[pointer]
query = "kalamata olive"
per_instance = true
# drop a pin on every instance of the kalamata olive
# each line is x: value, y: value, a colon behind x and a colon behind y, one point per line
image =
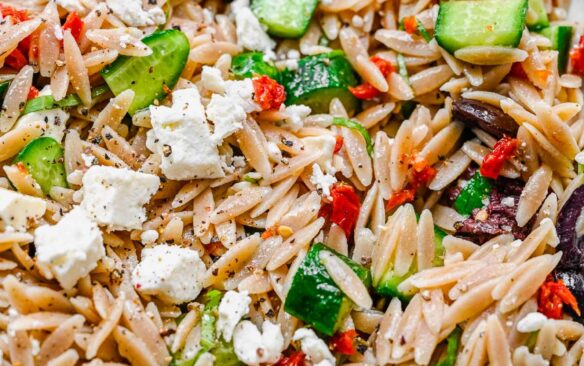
x: 574, y: 281
x: 485, y: 116
x: 568, y: 229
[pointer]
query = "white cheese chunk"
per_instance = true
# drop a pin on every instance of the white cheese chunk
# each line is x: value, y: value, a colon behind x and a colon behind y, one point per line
x: 149, y: 237
x: 71, y: 248
x: 315, y: 349
x: 132, y: 13
x: 242, y: 92
x: 181, y: 136
x: 115, y: 197
x: 253, y: 348
x: 326, y: 145
x: 227, y: 116
x: 294, y: 117
x: 233, y: 306
x: 18, y: 210
x: 55, y: 119
x: 531, y: 322
x: 172, y: 273
x: 250, y: 32
x: 212, y: 80
x: 323, y: 182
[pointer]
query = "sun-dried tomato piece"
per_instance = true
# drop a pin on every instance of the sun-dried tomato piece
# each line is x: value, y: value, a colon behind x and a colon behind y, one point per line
x: 268, y: 93
x: 552, y: 297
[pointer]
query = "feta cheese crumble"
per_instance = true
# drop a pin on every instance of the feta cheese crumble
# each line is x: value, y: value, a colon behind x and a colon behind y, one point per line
x: 212, y: 80
x: 18, y: 210
x: 326, y: 145
x: 149, y: 237
x: 169, y: 272
x: 250, y: 32
x: 242, y: 92
x: 253, y: 347
x: 227, y: 117
x: 294, y: 117
x: 131, y: 13
x: 233, y: 306
x: 115, y: 197
x: 181, y: 136
x: 531, y: 322
x: 315, y: 349
x: 508, y: 201
x: 71, y: 248
x: 323, y: 182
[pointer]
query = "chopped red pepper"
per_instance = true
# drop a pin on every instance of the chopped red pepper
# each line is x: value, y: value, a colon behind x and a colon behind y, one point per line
x: 344, y: 342
x: 422, y: 173
x: 399, y: 198
x: 295, y: 359
x: 30, y: 46
x: 577, y: 57
x: 74, y: 24
x: 367, y: 91
x: 493, y: 163
x: 518, y: 71
x: 344, y: 208
x: 16, y: 15
x: 338, y: 144
x: 552, y: 297
x: 268, y: 93
x: 271, y: 231
x: 410, y: 24
x: 16, y: 60
x: 32, y: 93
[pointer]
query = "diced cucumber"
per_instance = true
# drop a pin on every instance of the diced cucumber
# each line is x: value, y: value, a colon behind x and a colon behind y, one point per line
x: 285, y: 18
x: 439, y: 250
x: 248, y: 64
x: 480, y: 23
x: 225, y: 354
x: 318, y: 80
x: 473, y: 194
x: 43, y: 159
x: 40, y: 103
x: 3, y: 89
x: 314, y: 298
x: 537, y: 8
x: 561, y: 37
x: 46, y: 102
x: 148, y: 76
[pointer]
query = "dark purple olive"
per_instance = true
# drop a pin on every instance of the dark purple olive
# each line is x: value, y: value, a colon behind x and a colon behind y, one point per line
x: 574, y: 281
x: 571, y: 241
x: 485, y: 116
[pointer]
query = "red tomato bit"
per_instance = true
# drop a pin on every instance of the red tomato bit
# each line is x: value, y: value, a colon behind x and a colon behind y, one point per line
x: 16, y: 15
x: 421, y: 174
x: 518, y: 71
x: 344, y: 208
x: 493, y: 163
x: 552, y: 297
x: 367, y: 91
x: 74, y: 24
x: 16, y: 60
x: 577, y: 57
x: 399, y: 198
x: 410, y: 24
x: 268, y: 93
x: 344, y: 342
x: 32, y: 93
x: 295, y: 359
x: 338, y: 144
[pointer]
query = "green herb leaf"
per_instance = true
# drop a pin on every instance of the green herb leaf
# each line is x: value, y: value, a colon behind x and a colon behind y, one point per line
x: 403, y: 70
x: 453, y: 340
x: 423, y: 31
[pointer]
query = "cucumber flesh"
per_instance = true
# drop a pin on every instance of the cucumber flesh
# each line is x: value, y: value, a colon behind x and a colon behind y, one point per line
x: 249, y: 64
x: 314, y: 298
x: 318, y: 80
x: 473, y: 194
x: 148, y: 76
x: 285, y: 18
x: 561, y: 37
x: 468, y: 23
x: 43, y: 160
x: 540, y: 20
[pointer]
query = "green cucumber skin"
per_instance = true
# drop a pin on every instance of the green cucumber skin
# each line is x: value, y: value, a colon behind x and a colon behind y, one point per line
x: 249, y: 64
x: 318, y: 80
x: 472, y: 194
x: 561, y: 37
x: 46, y: 102
x: 3, y: 89
x: 43, y: 159
x: 313, y: 296
x: 148, y: 75
x: 285, y: 18
x: 542, y: 20
x: 466, y: 23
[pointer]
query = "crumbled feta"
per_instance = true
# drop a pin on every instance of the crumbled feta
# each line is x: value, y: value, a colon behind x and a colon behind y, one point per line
x: 71, y: 248
x: 253, y: 348
x: 508, y: 201
x: 55, y: 119
x: 181, y: 136
x: 172, y: 273
x: 227, y: 117
x: 531, y: 322
x: 294, y: 117
x: 71, y: 6
x: 89, y: 160
x: 242, y: 93
x: 326, y: 145
x: 132, y: 13
x: 250, y: 32
x: 18, y: 210
x: 115, y: 197
x: 323, y: 182
x: 149, y: 237
x: 233, y: 306
x: 315, y: 349
x: 212, y: 80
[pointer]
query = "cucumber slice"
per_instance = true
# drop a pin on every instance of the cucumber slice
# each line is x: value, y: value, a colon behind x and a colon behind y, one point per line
x: 147, y: 76
x: 540, y: 20
x: 318, y: 80
x: 561, y: 37
x: 468, y: 23
x: 314, y: 298
x: 473, y: 194
x: 246, y: 65
x: 285, y: 18
x: 42, y: 103
x: 43, y: 159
